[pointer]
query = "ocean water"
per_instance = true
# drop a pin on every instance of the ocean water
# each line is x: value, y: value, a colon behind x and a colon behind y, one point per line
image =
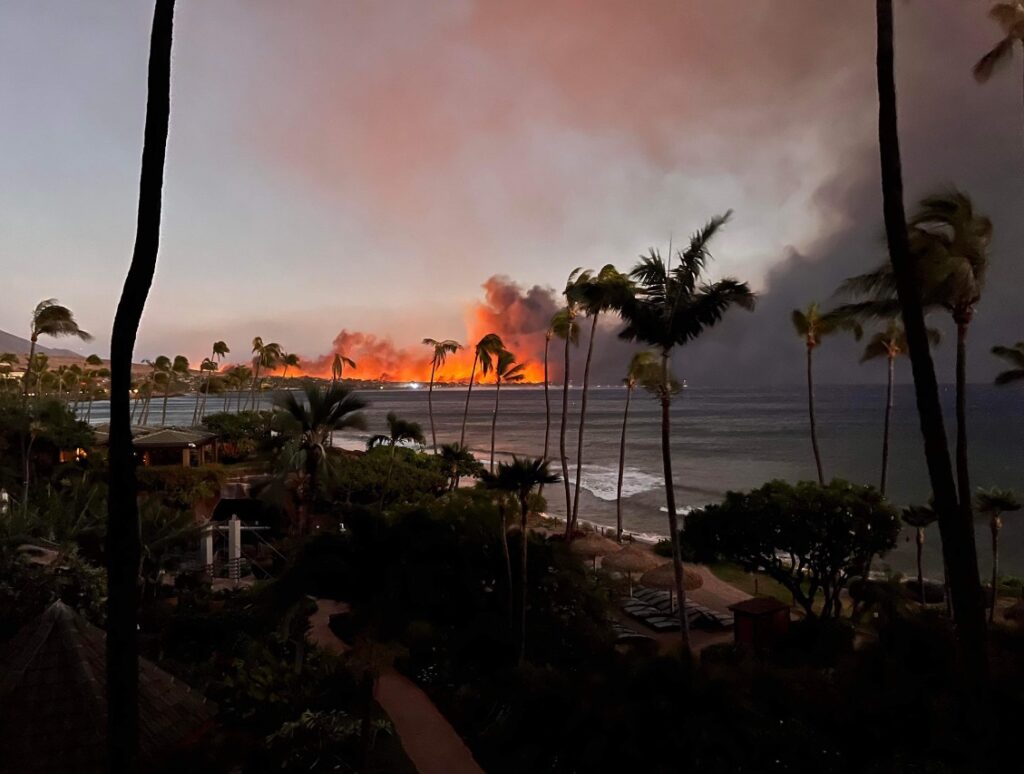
x: 722, y: 439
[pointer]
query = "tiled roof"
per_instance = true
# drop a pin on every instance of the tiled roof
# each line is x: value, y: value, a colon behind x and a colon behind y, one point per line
x: 53, y: 705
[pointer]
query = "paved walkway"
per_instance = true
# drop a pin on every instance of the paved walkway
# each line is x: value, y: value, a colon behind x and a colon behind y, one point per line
x: 427, y: 737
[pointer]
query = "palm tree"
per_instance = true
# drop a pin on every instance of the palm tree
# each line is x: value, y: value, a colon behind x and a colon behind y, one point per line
x: 919, y: 517
x: 608, y: 289
x: 1010, y: 18
x: 289, y: 360
x: 441, y: 350
x: 483, y: 353
x: 338, y: 366
x: 123, y: 543
x: 50, y: 319
x: 547, y: 398
x: 263, y: 356
x: 565, y: 327
x: 520, y: 478
x: 948, y: 242
x: 673, y: 306
x: 399, y: 431
x: 1015, y: 357
x: 994, y: 503
x: 640, y: 367
x: 209, y: 366
x: 240, y: 377
x: 310, y: 423
x: 955, y: 525
x: 890, y: 343
x: 506, y: 369
x: 458, y: 461
x: 812, y: 325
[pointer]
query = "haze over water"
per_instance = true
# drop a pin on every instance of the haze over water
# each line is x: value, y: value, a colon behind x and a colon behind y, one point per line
x: 722, y: 439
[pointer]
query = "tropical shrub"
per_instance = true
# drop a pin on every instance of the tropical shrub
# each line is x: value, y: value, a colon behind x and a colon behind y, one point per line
x: 810, y: 538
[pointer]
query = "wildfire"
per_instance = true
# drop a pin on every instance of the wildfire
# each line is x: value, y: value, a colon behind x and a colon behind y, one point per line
x: 519, y: 317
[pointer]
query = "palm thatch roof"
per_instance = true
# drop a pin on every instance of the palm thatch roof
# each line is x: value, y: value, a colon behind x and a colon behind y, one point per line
x: 593, y: 545
x: 632, y: 558
x: 53, y: 700
x: 664, y: 577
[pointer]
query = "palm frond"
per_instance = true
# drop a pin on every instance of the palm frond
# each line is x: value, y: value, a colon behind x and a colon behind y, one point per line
x: 999, y: 55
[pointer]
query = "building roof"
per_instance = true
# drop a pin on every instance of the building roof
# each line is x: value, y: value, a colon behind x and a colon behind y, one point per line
x: 53, y: 703
x: 159, y: 437
x: 759, y: 606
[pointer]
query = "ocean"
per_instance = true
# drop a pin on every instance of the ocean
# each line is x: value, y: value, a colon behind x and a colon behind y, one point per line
x: 722, y: 439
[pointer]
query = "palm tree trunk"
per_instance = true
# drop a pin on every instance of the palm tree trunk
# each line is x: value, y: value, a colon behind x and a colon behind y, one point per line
x: 920, y: 565
x: 494, y: 417
x: 561, y: 437
x: 123, y: 545
x: 957, y: 532
x: 524, y: 509
x: 622, y: 468
x: 430, y: 405
x: 670, y: 498
x: 810, y: 413
x: 163, y: 413
x: 885, y: 430
x: 29, y: 365
x: 469, y: 391
x: 583, y: 416
x: 252, y: 389
x: 508, y: 567
x: 995, y: 569
x: 963, y: 476
x: 547, y: 405
x: 387, y: 480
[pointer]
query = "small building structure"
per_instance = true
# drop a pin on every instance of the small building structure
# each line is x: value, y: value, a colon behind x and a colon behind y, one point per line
x: 185, y: 446
x: 760, y: 622
x: 53, y: 701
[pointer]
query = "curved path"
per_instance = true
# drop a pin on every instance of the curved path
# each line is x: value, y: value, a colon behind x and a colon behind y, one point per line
x: 427, y: 737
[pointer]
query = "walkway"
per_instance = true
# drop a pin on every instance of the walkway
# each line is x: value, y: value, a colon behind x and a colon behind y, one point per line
x: 427, y: 737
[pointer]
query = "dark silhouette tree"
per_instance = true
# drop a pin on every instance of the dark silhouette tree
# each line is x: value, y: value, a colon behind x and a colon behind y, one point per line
x: 123, y: 543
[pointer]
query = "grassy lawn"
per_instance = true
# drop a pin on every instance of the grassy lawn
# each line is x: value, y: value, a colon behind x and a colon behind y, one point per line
x: 736, y: 576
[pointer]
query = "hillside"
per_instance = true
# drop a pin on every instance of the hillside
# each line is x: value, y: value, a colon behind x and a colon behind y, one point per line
x: 19, y: 346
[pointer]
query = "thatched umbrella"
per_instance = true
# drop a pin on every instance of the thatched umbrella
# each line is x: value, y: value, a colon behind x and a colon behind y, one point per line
x: 594, y: 545
x: 631, y: 559
x: 664, y: 577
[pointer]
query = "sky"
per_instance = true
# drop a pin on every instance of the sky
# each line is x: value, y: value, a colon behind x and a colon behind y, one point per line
x: 365, y: 173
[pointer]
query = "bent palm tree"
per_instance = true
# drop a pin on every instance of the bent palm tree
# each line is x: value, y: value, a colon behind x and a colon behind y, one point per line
x: 640, y: 368
x: 1015, y: 357
x: 1010, y: 18
x: 890, y: 343
x: 310, y: 423
x: 338, y: 366
x: 948, y: 242
x: 399, y: 431
x: 812, y: 325
x: 919, y: 517
x: 123, y: 542
x: 608, y: 289
x: 673, y: 306
x: 506, y: 369
x: 994, y: 503
x: 520, y: 478
x: 483, y: 353
x: 50, y: 319
x: 288, y: 360
x: 458, y: 461
x: 441, y: 350
x: 217, y: 353
x: 264, y: 356
x: 955, y: 525
x: 547, y: 396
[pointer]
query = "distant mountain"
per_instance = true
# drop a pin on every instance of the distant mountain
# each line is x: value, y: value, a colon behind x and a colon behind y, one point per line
x: 19, y: 346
